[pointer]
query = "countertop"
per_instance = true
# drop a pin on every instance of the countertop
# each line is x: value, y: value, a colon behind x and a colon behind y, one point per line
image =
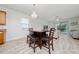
x: 2, y: 30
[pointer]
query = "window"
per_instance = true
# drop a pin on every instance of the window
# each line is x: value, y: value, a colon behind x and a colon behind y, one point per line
x: 25, y: 23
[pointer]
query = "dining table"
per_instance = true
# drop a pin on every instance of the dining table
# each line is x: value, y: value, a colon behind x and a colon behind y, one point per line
x: 39, y: 34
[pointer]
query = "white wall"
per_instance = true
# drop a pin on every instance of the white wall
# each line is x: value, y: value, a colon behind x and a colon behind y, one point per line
x: 75, y: 33
x: 13, y: 24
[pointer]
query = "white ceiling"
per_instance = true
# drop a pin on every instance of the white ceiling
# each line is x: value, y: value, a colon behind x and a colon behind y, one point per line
x: 46, y: 11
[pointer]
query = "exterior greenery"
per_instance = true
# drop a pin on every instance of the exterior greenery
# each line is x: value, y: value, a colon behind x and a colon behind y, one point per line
x: 62, y: 27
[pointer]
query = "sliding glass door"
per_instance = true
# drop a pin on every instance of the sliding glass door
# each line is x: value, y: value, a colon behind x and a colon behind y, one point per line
x: 63, y: 26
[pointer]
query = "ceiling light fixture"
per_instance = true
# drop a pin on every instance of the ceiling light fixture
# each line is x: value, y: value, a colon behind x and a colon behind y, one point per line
x: 34, y: 15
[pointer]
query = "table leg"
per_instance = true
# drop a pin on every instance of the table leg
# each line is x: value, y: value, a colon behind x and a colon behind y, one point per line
x: 40, y: 43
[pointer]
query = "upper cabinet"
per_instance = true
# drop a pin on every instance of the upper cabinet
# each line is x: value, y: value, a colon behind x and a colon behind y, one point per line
x: 2, y: 17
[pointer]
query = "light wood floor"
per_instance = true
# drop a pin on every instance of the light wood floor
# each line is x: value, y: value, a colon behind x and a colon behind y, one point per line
x: 64, y: 45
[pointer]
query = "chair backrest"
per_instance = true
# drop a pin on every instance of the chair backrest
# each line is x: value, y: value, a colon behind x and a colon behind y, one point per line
x: 45, y: 27
x: 51, y: 33
x: 30, y: 31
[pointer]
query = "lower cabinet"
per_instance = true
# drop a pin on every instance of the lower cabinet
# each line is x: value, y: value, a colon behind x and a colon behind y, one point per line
x: 2, y: 37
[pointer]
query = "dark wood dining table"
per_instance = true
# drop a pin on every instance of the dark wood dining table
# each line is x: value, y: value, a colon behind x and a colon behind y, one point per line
x: 39, y: 34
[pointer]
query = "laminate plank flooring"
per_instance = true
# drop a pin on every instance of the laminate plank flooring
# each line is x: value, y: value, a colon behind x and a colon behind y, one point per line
x: 63, y: 45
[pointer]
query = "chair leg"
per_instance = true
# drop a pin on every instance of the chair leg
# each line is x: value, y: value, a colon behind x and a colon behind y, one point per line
x: 30, y: 43
x: 49, y: 47
x: 49, y: 51
x: 27, y: 39
x: 52, y: 45
x: 34, y: 47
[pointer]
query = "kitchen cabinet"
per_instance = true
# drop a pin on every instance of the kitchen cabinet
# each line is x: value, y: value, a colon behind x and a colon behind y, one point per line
x: 2, y: 17
x: 2, y: 36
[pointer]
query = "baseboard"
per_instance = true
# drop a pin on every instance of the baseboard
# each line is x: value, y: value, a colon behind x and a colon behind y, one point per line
x: 16, y: 38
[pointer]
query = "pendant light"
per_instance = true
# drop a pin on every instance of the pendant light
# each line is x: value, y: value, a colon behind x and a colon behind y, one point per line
x: 34, y: 15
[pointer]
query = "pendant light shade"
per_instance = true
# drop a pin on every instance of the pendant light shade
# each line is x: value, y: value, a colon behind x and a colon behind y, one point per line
x: 34, y: 15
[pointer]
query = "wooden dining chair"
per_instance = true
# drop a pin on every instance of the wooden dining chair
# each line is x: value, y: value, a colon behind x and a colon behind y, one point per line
x: 33, y: 42
x: 30, y: 34
x: 49, y: 39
